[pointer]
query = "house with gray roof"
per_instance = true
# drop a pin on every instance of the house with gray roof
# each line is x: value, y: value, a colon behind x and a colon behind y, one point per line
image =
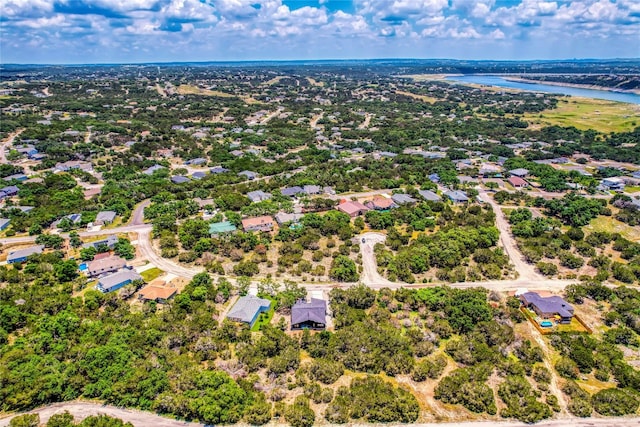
x: 218, y: 169
x: 312, y: 189
x: 4, y: 223
x: 548, y: 307
x: 179, y: 179
x: 309, y: 314
x: 105, y: 217
x: 520, y: 172
x: 152, y: 169
x: 457, y: 196
x: 258, y: 196
x: 247, y: 309
x: 115, y: 281
x: 248, y: 174
x: 291, y: 191
x: 198, y: 175
x: 402, y: 199
x: 196, y: 161
x: 283, y: 217
x: 109, y: 242
x: 21, y: 255
x: 429, y: 195
x: 9, y: 191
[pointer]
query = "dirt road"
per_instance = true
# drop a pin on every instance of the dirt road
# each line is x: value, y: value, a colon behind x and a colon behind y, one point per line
x: 6, y: 143
x: 82, y: 410
x: 370, y: 275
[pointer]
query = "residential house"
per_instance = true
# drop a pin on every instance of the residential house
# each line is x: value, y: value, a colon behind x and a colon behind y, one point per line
x: 159, y: 294
x: 198, y: 175
x: 403, y: 199
x: 457, y: 196
x: 247, y: 309
x: 248, y: 174
x: 614, y: 184
x: 520, y: 172
x: 434, y: 177
x: 4, y: 223
x: 90, y: 192
x: 152, y: 169
x: 258, y: 196
x: 291, y: 191
x: 283, y: 218
x: 196, y: 161
x: 74, y: 164
x: 218, y: 228
x: 381, y: 203
x: 179, y: 179
x: 429, y: 195
x: 105, y: 217
x: 309, y: 314
x: 312, y: 189
x: 19, y: 177
x: 109, y: 242
x: 517, y: 182
x: 353, y: 209
x: 21, y: 255
x: 115, y: 281
x: 218, y: 169
x: 9, y: 191
x: 548, y: 307
x: 261, y: 223
x: 105, y: 265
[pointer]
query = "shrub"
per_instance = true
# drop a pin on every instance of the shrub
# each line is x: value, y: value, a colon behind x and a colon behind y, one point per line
x: 614, y: 402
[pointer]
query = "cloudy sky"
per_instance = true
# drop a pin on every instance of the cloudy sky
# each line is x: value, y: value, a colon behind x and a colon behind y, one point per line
x: 98, y: 31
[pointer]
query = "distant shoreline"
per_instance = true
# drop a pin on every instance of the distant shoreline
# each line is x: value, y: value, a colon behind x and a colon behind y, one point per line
x: 574, y: 85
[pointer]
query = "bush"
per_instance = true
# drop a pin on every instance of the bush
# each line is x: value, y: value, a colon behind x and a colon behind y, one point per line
x: 547, y: 268
x: 326, y: 371
x: 614, y: 402
x: 467, y: 387
x: 299, y: 414
x: 580, y: 407
x: 26, y: 420
x: 567, y: 368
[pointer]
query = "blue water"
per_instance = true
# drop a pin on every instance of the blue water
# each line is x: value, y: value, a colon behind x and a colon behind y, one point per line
x: 83, y: 267
x: 630, y: 98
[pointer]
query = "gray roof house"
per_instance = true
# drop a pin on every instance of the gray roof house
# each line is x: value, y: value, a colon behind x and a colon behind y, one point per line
x: 21, y: 255
x: 247, y: 309
x: 520, y: 172
x: 402, y: 199
x: 283, y: 217
x: 198, y: 175
x: 105, y: 265
x: 248, y: 174
x: 9, y: 191
x: 4, y: 223
x: 152, y: 169
x: 179, y: 179
x: 218, y: 169
x: 105, y: 217
x: 109, y: 242
x: 309, y: 314
x: 115, y: 281
x: 291, y: 191
x: 429, y: 195
x: 258, y: 196
x: 548, y: 307
x: 312, y: 189
x: 196, y: 161
x: 457, y: 196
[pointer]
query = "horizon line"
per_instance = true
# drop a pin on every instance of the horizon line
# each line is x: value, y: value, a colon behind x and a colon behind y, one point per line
x: 274, y: 61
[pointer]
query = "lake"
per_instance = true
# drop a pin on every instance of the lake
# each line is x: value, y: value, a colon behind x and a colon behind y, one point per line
x: 630, y: 98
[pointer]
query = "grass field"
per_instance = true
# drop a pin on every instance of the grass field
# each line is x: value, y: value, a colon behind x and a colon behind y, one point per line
x: 612, y: 225
x: 151, y: 274
x: 586, y: 113
x: 194, y: 90
x: 424, y: 98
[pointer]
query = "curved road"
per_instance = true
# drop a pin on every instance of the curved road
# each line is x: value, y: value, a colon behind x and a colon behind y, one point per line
x: 7, y: 142
x: 82, y: 410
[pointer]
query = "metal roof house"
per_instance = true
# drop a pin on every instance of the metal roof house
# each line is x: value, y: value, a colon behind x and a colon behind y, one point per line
x: 429, y: 195
x: 402, y: 199
x: 457, y: 196
x: 247, y: 309
x: 152, y: 169
x: 283, y: 217
x: 248, y: 174
x: 291, y: 191
x: 218, y: 169
x: 21, y: 255
x: 105, y: 217
x: 109, y: 242
x: 520, y: 172
x: 179, y: 179
x: 309, y: 314
x: 258, y: 196
x: 4, y: 223
x: 115, y: 281
x: 548, y: 307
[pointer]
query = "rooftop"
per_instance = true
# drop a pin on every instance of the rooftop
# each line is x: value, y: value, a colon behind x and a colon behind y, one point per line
x: 246, y: 308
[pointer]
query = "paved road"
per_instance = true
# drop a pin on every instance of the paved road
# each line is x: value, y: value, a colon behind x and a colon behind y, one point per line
x: 82, y: 410
x: 6, y: 143
x: 137, y: 216
x: 145, y: 246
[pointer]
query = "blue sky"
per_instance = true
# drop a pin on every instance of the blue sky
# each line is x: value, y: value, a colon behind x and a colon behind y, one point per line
x: 98, y: 31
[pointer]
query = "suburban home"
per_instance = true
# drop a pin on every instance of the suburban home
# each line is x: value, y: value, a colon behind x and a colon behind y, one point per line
x: 159, y: 294
x: 105, y: 217
x: 429, y: 195
x: 517, y: 182
x: 258, y: 196
x: 152, y: 169
x: 90, y: 192
x: 381, y: 203
x: 434, y: 177
x: 520, y: 172
x: 179, y: 179
x: 109, y: 242
x: 115, y: 281
x: 105, y: 265
x: 19, y: 177
x: 195, y: 162
x: 21, y: 255
x: 457, y: 196
x: 291, y: 191
x: 309, y: 314
x: 614, y: 183
x: 9, y: 191
x: 218, y: 169
x: 312, y: 189
x: 218, y: 228
x: 4, y: 223
x: 248, y: 174
x: 198, y: 175
x: 548, y: 307
x: 283, y: 218
x: 353, y: 209
x: 74, y: 164
x: 261, y: 223
x: 403, y: 199
x: 247, y: 309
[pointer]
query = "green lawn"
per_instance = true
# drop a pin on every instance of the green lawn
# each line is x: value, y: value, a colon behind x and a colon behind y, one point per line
x: 265, y: 317
x: 151, y: 274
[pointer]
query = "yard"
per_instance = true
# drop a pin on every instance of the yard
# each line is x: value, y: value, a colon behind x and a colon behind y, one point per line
x: 264, y: 318
x: 151, y: 274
